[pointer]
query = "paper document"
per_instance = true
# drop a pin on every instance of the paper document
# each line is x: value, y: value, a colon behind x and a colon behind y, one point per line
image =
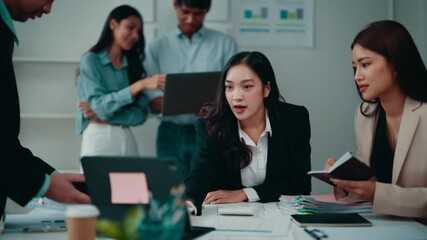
x: 267, y: 219
x: 322, y: 204
x: 243, y: 224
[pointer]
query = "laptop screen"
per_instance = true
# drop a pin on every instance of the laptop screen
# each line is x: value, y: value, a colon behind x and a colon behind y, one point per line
x: 188, y: 92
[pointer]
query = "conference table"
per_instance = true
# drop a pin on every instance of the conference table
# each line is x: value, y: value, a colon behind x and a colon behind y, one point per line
x: 271, y: 222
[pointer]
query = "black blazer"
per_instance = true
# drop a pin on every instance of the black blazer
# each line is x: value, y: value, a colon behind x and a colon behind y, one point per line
x: 288, y: 159
x: 21, y: 173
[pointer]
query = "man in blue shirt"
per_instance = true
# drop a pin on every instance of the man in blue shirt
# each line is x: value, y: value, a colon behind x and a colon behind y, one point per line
x: 23, y: 175
x: 190, y: 47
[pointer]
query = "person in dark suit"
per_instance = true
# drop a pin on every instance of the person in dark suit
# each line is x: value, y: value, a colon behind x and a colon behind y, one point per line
x: 251, y: 145
x: 23, y: 175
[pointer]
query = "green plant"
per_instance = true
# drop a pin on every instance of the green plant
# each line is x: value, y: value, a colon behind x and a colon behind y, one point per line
x: 162, y: 219
x: 126, y: 230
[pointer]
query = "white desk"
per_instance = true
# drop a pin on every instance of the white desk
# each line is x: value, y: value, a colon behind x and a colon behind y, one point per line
x: 384, y: 227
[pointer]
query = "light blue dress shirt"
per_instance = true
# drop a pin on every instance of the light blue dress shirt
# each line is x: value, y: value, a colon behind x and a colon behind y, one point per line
x: 208, y: 50
x: 106, y: 89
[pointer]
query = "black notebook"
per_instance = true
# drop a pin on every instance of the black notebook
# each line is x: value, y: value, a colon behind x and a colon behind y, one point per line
x: 346, y: 167
x: 331, y: 220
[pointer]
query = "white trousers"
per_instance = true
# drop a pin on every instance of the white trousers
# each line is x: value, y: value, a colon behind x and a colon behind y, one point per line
x: 108, y: 140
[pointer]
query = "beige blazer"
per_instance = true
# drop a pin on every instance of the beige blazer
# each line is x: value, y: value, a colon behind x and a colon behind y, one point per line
x: 407, y: 194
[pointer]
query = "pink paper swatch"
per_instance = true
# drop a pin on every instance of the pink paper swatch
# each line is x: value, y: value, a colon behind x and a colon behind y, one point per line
x: 129, y: 188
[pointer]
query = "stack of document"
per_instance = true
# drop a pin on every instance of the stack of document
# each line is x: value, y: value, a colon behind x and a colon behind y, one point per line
x: 322, y: 204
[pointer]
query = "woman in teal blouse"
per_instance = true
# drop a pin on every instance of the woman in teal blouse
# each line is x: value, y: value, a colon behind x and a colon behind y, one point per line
x: 111, y: 84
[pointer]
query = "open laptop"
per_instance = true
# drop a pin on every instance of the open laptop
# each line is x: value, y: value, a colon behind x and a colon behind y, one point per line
x: 188, y: 92
x: 161, y: 175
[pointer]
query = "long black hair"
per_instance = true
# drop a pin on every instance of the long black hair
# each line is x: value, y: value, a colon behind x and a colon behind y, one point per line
x: 135, y: 55
x: 221, y: 122
x: 391, y: 40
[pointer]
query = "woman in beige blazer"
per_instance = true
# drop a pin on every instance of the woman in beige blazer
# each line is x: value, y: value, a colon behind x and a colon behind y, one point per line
x: 391, y: 123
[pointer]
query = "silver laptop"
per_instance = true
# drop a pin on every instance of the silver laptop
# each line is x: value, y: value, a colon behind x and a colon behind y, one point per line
x: 188, y: 92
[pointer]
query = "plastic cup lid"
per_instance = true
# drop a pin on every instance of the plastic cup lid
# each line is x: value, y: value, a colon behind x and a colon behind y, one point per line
x: 81, y: 211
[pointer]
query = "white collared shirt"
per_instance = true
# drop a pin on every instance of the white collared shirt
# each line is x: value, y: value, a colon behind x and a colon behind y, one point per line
x: 254, y: 174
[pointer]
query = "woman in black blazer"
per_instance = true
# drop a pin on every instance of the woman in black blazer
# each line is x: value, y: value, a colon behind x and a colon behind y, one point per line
x: 251, y: 146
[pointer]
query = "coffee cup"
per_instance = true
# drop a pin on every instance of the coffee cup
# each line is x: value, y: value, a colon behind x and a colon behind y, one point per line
x: 81, y: 221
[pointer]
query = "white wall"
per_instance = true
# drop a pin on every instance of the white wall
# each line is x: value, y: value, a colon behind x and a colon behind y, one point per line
x: 413, y: 15
x: 319, y: 78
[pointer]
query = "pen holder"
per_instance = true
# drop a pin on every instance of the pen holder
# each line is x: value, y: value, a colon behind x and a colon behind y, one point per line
x: 153, y: 231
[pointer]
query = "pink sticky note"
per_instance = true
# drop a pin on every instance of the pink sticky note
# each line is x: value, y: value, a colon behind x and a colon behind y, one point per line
x: 128, y: 188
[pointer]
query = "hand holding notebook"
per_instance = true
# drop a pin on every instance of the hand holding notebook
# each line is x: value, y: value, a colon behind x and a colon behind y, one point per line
x: 346, y: 167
